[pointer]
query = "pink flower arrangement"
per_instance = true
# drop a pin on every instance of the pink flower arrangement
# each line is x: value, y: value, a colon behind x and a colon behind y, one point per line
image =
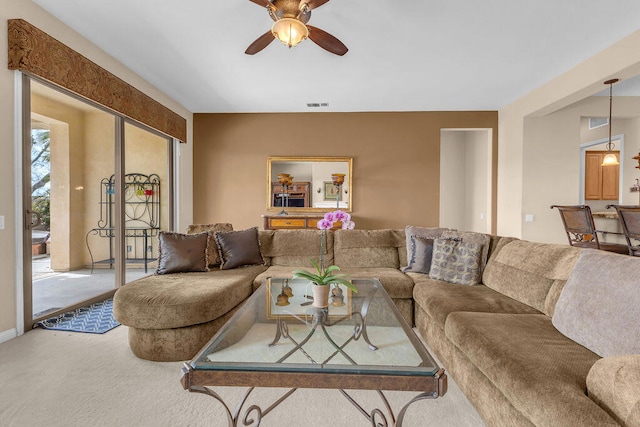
x: 330, y: 218
x: 327, y: 276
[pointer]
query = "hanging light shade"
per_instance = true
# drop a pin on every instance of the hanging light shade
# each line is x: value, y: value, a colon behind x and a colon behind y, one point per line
x: 610, y: 159
x: 289, y: 31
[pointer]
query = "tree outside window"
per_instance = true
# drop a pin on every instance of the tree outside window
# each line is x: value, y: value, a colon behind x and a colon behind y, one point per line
x: 41, y: 176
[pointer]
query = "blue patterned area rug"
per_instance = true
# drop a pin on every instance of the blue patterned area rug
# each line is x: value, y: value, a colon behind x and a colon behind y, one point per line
x: 94, y: 319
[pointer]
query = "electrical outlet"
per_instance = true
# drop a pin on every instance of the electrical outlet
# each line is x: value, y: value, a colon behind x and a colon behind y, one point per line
x: 1, y: 222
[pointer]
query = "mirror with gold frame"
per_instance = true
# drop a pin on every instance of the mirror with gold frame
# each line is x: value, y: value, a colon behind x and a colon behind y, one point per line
x: 310, y: 186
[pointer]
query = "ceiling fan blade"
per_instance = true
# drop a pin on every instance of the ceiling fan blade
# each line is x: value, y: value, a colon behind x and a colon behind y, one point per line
x: 314, y: 4
x: 260, y: 43
x: 326, y: 41
x: 263, y: 3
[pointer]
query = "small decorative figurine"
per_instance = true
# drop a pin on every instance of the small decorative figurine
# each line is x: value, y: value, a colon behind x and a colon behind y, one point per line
x: 282, y: 299
x: 337, y: 296
x: 286, y: 289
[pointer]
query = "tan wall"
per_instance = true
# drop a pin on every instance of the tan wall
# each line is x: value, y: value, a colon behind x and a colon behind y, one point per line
x: 67, y: 158
x: 9, y: 258
x: 395, y: 161
x: 99, y: 164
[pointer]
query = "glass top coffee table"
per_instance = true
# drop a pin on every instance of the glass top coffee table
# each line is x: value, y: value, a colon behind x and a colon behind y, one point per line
x: 278, y: 339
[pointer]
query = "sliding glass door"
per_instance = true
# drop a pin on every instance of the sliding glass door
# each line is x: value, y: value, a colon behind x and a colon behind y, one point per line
x: 97, y: 190
x: 71, y: 145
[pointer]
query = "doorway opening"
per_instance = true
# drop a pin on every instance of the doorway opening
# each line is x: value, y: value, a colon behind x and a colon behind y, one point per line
x: 465, y: 179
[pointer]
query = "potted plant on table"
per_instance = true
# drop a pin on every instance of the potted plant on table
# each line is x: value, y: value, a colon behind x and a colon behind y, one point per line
x: 323, y: 277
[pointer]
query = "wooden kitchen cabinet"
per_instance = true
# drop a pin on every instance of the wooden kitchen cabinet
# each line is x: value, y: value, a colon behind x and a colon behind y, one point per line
x: 600, y: 182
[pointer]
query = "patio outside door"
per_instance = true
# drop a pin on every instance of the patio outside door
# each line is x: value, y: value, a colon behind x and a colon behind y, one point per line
x: 71, y: 148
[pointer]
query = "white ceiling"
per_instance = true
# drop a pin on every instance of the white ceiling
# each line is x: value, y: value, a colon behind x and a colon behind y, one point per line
x: 412, y: 55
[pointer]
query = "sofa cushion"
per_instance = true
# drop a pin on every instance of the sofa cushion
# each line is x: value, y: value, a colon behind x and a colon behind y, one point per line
x: 182, y: 253
x: 368, y: 248
x: 239, y: 248
x: 438, y: 298
x: 178, y: 300
x: 599, y: 306
x: 396, y: 283
x: 213, y: 250
x: 541, y: 372
x: 455, y: 261
x: 295, y: 248
x: 532, y: 273
x: 421, y: 251
x: 614, y: 383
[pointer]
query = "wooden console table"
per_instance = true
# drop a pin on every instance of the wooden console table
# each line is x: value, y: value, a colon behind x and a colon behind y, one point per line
x: 279, y: 222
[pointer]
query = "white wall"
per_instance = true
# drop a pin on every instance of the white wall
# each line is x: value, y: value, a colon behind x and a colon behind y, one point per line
x: 452, y: 179
x: 465, y: 180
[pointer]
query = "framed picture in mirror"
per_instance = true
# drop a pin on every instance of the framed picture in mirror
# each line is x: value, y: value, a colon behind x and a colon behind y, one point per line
x: 331, y: 191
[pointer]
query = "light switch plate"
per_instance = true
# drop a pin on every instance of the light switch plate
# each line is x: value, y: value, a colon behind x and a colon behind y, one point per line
x: 528, y: 218
x: 1, y: 222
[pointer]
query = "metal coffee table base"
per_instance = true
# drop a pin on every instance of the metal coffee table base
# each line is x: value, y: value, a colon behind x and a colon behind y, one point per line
x: 252, y: 415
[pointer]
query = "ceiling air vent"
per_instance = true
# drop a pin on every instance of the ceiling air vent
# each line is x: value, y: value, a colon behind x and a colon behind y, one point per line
x: 596, y: 122
x: 317, y: 104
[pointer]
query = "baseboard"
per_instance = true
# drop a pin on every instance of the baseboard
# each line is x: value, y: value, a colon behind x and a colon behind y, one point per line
x: 8, y: 335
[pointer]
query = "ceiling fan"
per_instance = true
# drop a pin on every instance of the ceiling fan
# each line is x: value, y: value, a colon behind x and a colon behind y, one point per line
x: 290, y: 26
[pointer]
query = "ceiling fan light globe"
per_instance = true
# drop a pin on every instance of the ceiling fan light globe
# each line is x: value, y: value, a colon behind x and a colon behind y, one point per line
x: 289, y: 31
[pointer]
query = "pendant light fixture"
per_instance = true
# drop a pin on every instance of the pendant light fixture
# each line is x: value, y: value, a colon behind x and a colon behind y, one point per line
x: 610, y: 159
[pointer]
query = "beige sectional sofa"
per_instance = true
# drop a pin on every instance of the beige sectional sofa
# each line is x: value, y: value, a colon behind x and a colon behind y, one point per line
x: 501, y: 340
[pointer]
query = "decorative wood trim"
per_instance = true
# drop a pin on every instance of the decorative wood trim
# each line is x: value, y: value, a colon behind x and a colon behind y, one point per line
x: 35, y: 52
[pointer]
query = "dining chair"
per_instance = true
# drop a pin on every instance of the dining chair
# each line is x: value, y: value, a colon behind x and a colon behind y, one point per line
x: 581, y: 229
x: 629, y: 218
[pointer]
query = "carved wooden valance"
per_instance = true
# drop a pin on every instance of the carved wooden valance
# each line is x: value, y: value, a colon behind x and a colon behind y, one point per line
x: 35, y: 52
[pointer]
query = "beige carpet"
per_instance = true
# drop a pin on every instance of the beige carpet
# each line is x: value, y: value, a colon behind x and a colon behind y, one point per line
x: 53, y: 378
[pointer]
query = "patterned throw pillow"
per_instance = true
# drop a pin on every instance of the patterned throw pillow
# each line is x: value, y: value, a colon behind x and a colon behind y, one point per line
x: 421, y: 254
x: 455, y: 261
x: 213, y: 254
x: 472, y: 237
x: 182, y: 253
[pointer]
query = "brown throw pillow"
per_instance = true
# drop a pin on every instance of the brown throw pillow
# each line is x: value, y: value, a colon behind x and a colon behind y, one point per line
x: 213, y: 251
x: 421, y: 254
x: 238, y: 248
x: 456, y: 262
x: 182, y: 253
